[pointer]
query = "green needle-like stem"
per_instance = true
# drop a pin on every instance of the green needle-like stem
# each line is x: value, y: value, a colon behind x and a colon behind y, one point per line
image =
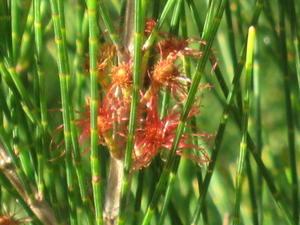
x: 63, y: 67
x: 137, y: 74
x: 174, y: 29
x: 289, y: 112
x: 109, y: 26
x: 97, y: 182
x: 15, y: 30
x: 42, y: 94
x: 243, y: 145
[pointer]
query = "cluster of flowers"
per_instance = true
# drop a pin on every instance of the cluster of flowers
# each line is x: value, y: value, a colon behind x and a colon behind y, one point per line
x: 153, y: 134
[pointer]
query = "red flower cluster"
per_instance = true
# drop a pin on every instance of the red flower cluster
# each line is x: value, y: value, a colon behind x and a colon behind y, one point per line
x: 153, y: 134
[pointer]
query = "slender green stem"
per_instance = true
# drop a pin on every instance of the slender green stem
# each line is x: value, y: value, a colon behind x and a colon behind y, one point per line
x: 289, y: 113
x: 253, y: 195
x: 17, y: 87
x: 109, y: 26
x: 238, y: 15
x: 167, y: 198
x: 5, y: 28
x: 63, y: 79
x: 217, y: 71
x: 4, y: 106
x: 138, y: 196
x: 291, y: 12
x: 216, y: 147
x: 174, y: 29
x: 80, y: 50
x: 122, y: 12
x: 97, y: 182
x: 23, y: 61
x: 137, y: 66
x: 194, y: 13
x: 231, y: 37
x: 175, y: 219
x: 78, y: 63
x: 258, y: 131
x: 42, y: 94
x: 82, y: 179
x: 278, y: 197
x: 246, y: 105
x: 61, y: 12
x: 15, y: 29
x: 151, y: 39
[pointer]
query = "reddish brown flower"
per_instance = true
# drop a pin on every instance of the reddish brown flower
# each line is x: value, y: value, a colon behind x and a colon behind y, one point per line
x: 104, y: 63
x: 165, y: 71
x: 104, y: 121
x: 122, y: 75
x: 149, y: 26
x: 106, y: 53
x: 178, y: 47
x: 158, y: 134
x: 166, y: 74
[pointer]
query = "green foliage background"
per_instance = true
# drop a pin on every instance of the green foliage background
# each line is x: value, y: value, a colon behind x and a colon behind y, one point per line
x: 270, y: 66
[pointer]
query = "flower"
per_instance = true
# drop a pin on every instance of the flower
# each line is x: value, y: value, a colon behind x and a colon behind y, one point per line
x: 153, y: 134
x: 104, y: 121
x: 149, y: 26
x: 122, y: 75
x: 157, y: 134
x: 166, y: 74
x: 178, y: 47
x: 107, y: 51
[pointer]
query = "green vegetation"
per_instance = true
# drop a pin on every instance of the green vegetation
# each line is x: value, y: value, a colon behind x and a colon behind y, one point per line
x: 149, y: 112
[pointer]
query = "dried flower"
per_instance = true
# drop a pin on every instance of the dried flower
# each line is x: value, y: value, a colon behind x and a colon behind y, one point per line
x: 149, y: 26
x: 166, y: 74
x: 152, y: 133
x: 178, y: 47
x: 122, y: 75
x: 158, y: 134
x: 104, y: 121
x: 107, y: 51
x: 165, y: 71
